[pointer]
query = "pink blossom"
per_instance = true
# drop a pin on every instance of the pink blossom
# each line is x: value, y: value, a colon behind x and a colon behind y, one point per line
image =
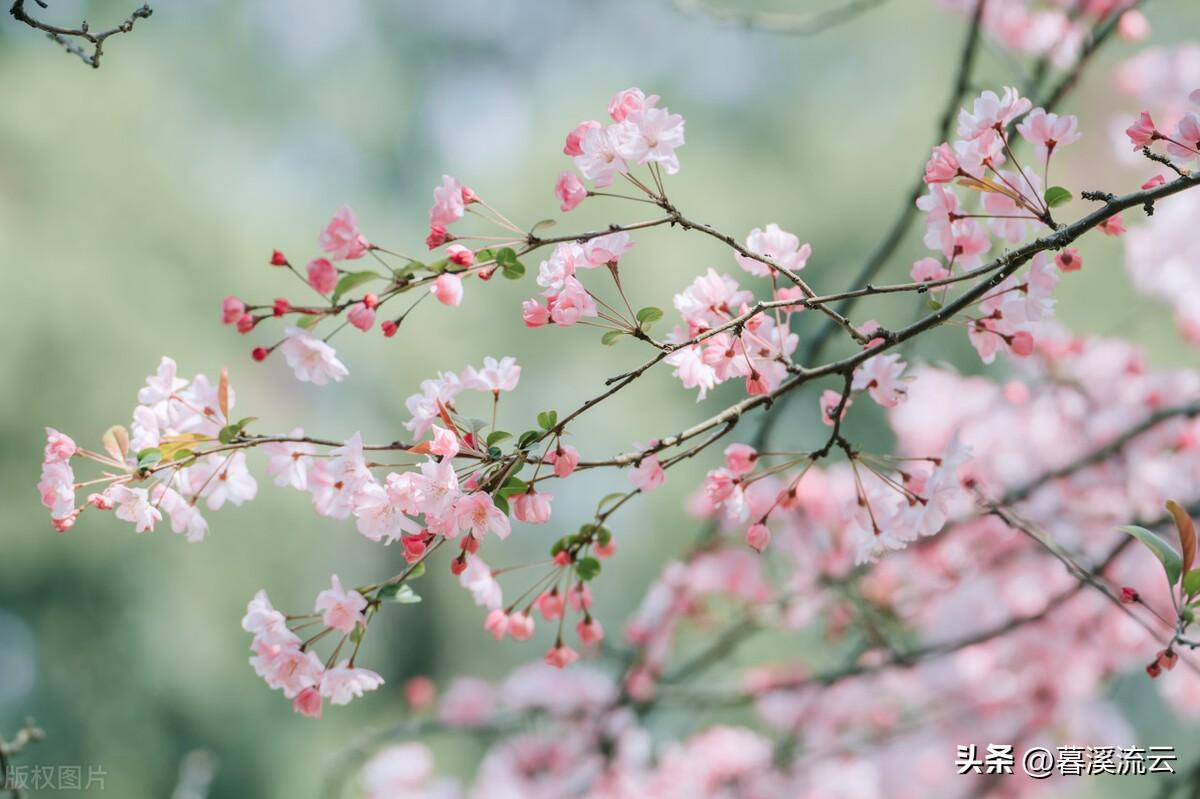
x: 534, y: 314
x: 520, y: 626
x: 880, y: 377
x: 288, y: 462
x: 1187, y: 133
x: 579, y: 597
x: 929, y: 269
x: 571, y: 304
x: 560, y: 656
x: 1154, y: 182
x: 758, y: 536
x: 532, y: 507
x: 445, y: 442
x: 232, y: 309
x: 311, y: 359
x: 133, y: 505
x: 648, y: 475
x: 776, y: 245
x: 550, y: 605
x: 1068, y: 260
x: 341, y: 238
x: 693, y: 370
x: 308, y: 703
x: 991, y: 113
x: 344, y: 682
x: 478, y: 579
x: 341, y: 609
x: 458, y: 254
x: 650, y: 135
x: 1142, y: 133
x: 478, y: 514
x: 740, y: 458
x: 59, y: 448
x: 496, y: 623
x: 598, y: 160
x: 1133, y: 26
x: 57, y: 489
x: 569, y: 190
x: 448, y: 288
x: 1048, y: 131
x: 607, y: 248
x: 495, y: 376
x: 361, y: 316
x: 589, y: 631
x: 467, y: 703
x: 437, y: 237
x: 448, y: 202
x: 942, y: 167
x: 1113, y: 226
x: 572, y: 146
x: 629, y: 101
x: 562, y: 263
x: 564, y: 458
x: 829, y: 402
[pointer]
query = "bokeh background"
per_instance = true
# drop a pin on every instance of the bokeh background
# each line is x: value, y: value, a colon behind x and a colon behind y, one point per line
x: 132, y: 198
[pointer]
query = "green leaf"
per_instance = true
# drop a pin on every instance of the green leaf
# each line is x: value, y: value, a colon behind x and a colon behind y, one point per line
x: 649, y: 315
x: 513, y: 269
x: 513, y: 486
x: 934, y: 305
x: 1191, y: 582
x: 352, y: 280
x: 1056, y: 196
x: 182, y: 454
x: 399, y: 592
x: 560, y: 545
x: 417, y: 571
x: 610, y: 498
x: 148, y: 457
x: 542, y: 225
x: 527, y: 438
x: 231, y: 431
x: 357, y: 634
x: 502, y: 504
x: 497, y: 436
x: 587, y: 568
x: 484, y: 255
x: 547, y: 419
x: 603, y: 536
x: 1166, y: 554
x: 611, y: 337
x: 308, y: 321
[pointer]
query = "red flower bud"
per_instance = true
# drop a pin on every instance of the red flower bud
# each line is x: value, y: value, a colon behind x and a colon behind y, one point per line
x: 1129, y: 596
x: 389, y: 328
x: 260, y: 353
x: 278, y: 259
x: 282, y: 306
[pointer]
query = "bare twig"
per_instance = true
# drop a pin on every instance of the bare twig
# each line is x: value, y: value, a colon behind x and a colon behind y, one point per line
x: 779, y: 22
x: 67, y: 37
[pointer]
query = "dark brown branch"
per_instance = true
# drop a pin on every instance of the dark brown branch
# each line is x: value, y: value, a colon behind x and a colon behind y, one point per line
x: 781, y: 23
x: 69, y: 38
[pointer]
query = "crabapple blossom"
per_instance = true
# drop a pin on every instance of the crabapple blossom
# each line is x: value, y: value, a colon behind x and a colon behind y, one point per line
x: 344, y: 682
x: 569, y: 190
x: 776, y: 245
x: 495, y: 376
x: 449, y: 202
x: 448, y: 288
x: 341, y: 237
x: 311, y: 359
x: 340, y: 609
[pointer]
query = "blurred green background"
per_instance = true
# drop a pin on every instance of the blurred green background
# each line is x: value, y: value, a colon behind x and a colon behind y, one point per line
x: 132, y: 198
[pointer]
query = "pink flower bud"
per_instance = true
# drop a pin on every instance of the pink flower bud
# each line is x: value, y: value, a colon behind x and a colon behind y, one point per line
x: 532, y: 507
x: 1129, y: 596
x: 448, y: 288
x: 370, y: 300
x: 361, y: 316
x: 232, y: 309
x: 458, y: 254
x: 758, y: 536
x: 550, y: 605
x: 561, y: 656
x: 575, y: 137
x: 569, y: 190
x: 496, y: 623
x: 322, y: 275
x: 308, y: 703
x: 458, y: 565
x: 534, y: 313
x: 281, y: 307
x: 389, y: 328
x: 437, y: 237
x: 1022, y: 344
x: 579, y: 597
x: 278, y: 258
x: 520, y: 626
x: 1133, y: 26
x: 420, y: 693
x: 589, y: 630
x: 246, y: 324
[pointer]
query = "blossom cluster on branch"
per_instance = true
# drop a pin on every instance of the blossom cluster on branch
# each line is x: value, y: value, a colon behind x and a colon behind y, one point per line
x: 968, y: 584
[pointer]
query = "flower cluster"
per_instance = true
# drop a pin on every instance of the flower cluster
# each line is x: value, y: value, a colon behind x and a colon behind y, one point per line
x: 1014, y: 204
